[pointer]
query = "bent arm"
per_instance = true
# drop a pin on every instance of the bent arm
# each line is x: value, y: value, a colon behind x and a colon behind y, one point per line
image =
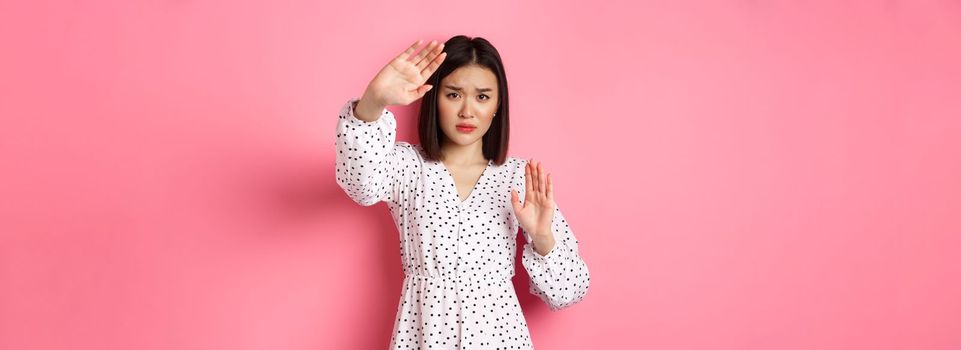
x: 367, y: 156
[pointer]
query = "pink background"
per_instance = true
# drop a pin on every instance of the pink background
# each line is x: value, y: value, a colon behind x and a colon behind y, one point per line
x: 741, y: 174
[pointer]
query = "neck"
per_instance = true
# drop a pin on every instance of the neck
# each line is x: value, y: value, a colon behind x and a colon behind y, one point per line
x: 455, y: 154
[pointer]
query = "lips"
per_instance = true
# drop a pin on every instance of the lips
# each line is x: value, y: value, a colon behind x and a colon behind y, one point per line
x: 465, y: 128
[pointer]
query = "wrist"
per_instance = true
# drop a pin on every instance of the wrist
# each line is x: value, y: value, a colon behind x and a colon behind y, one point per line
x: 368, y: 110
x: 543, y: 244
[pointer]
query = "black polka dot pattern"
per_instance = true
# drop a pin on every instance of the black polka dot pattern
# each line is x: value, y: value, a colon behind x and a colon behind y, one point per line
x: 458, y: 256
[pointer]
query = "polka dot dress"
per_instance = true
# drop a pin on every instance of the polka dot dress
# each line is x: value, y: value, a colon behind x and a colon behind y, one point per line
x: 458, y: 256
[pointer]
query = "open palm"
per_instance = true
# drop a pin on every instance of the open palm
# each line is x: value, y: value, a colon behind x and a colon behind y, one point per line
x: 537, y: 211
x: 402, y: 80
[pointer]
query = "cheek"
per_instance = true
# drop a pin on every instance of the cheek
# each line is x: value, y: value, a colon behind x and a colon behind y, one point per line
x: 488, y: 122
x: 445, y: 115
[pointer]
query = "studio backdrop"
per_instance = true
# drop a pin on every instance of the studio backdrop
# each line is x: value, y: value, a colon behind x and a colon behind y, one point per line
x: 739, y: 174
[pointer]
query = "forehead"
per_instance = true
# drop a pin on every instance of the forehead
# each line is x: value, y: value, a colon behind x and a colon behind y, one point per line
x: 471, y: 77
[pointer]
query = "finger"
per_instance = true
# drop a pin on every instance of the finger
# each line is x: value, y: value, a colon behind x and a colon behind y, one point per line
x: 432, y: 53
x: 410, y: 50
x: 413, y: 88
x: 515, y: 200
x: 550, y: 188
x: 424, y: 52
x: 434, y: 64
x: 429, y: 69
x: 528, y: 183
x: 535, y: 176
x: 541, y: 181
x: 423, y: 89
x: 430, y: 56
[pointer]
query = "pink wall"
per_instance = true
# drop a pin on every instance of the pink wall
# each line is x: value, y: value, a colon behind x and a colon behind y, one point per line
x: 741, y: 174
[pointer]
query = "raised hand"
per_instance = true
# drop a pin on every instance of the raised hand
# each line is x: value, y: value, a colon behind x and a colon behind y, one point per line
x: 536, y: 214
x: 402, y: 80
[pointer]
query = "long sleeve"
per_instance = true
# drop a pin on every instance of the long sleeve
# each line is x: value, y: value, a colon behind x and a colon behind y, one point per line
x: 371, y: 167
x: 561, y: 277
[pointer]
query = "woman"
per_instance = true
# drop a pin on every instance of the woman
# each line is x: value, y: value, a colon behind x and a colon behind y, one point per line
x: 455, y: 200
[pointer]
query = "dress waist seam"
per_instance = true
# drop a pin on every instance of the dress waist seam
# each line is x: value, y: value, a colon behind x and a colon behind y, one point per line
x: 458, y: 278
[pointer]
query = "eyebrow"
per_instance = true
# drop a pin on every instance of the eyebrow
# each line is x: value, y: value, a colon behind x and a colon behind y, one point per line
x: 452, y: 87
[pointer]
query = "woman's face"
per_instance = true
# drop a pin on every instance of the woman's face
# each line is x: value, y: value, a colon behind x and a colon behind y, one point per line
x: 467, y: 96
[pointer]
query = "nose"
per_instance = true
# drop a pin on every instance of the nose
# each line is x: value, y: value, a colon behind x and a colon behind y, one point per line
x: 466, y: 110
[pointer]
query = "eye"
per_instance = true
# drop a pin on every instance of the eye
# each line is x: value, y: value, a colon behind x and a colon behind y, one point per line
x: 485, y: 97
x: 452, y: 93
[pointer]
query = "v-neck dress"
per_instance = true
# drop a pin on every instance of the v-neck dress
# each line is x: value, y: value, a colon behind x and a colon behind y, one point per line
x: 458, y: 256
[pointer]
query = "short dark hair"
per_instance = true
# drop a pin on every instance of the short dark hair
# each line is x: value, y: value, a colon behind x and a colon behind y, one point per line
x: 461, y: 51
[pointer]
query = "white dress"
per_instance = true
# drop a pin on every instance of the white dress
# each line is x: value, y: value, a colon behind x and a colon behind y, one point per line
x: 458, y: 257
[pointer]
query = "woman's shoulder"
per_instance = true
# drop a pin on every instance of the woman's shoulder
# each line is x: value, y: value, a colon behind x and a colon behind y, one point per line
x: 515, y: 165
x: 411, y: 152
x: 515, y: 161
x: 413, y: 148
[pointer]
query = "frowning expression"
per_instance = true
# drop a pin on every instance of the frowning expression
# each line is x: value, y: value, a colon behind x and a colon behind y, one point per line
x: 467, y: 101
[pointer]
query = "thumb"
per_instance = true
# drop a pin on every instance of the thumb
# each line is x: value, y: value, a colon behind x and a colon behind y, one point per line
x: 515, y: 200
x: 423, y: 89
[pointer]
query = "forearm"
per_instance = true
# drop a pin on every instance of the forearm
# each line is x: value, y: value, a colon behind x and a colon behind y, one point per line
x: 368, y: 110
x: 543, y: 243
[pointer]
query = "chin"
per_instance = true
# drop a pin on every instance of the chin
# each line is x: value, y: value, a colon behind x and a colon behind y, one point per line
x: 463, y: 141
